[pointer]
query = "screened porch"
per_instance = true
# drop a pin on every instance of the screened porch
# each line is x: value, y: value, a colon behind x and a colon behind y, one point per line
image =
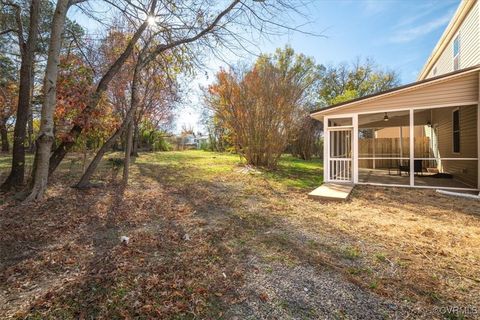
x: 417, y: 147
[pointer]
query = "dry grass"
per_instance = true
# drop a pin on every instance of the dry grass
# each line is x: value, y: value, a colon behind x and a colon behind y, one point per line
x: 62, y: 258
x: 414, y: 244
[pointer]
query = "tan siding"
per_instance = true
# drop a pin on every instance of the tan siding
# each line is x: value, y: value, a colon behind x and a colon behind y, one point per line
x: 468, y: 131
x: 444, y: 63
x: 458, y: 90
x: 462, y: 170
x: 469, y: 33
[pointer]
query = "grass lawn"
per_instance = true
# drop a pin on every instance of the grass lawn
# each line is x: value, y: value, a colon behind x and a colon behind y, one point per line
x: 212, y: 239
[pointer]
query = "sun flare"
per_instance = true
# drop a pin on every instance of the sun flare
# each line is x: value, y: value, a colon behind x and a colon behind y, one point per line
x: 152, y: 20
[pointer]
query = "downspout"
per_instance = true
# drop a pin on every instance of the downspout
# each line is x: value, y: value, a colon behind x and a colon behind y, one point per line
x: 459, y: 194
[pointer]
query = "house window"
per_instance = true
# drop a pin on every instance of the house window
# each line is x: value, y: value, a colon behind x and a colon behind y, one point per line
x: 456, y: 53
x: 456, y: 131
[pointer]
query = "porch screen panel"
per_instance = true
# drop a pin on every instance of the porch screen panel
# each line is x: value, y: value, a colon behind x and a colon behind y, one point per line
x: 446, y: 147
x: 384, y: 147
x: 340, y: 157
x: 339, y: 122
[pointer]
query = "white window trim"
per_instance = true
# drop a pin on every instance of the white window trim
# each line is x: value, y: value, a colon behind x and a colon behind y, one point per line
x: 459, y: 132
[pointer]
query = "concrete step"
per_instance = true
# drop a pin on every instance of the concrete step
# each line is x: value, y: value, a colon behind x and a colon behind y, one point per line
x: 332, y: 191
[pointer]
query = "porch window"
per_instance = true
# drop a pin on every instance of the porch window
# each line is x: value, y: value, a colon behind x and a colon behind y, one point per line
x: 456, y: 131
x: 456, y: 53
x: 384, y: 148
x: 437, y: 158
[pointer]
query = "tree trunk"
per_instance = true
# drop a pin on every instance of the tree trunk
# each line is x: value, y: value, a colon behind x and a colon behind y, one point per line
x: 16, y: 177
x: 128, y: 151
x: 4, y: 134
x: 85, y: 153
x: 85, y: 179
x: 45, y: 136
x: 65, y: 146
x: 31, y: 143
x: 135, y: 139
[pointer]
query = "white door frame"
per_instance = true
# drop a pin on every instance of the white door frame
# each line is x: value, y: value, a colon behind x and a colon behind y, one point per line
x: 326, y: 147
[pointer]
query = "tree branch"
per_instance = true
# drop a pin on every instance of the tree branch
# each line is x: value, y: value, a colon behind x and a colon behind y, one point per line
x: 7, y: 31
x: 18, y: 20
x: 162, y: 47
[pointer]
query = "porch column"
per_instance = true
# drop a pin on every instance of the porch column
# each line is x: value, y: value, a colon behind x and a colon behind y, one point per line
x: 478, y: 136
x: 355, y: 148
x: 412, y: 150
x: 326, y: 151
x: 401, y: 144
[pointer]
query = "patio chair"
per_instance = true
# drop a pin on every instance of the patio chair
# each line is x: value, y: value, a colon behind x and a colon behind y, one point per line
x: 417, y: 168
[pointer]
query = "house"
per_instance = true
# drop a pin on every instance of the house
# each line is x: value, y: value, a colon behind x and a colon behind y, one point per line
x: 459, y: 45
x: 201, y: 140
x: 189, y: 140
x: 424, y: 134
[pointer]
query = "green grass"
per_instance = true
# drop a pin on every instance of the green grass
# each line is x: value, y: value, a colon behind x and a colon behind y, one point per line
x: 6, y: 161
x: 199, y: 165
x: 291, y: 172
x: 381, y: 257
x: 294, y: 172
x: 351, y: 253
x: 209, y: 163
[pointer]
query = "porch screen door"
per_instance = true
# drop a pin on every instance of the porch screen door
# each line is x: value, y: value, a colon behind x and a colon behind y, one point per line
x: 340, y: 157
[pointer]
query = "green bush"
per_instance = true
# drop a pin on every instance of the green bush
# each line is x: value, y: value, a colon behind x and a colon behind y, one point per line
x: 205, y: 145
x: 160, y: 144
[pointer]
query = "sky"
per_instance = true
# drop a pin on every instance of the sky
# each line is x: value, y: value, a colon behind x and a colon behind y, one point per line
x: 398, y: 34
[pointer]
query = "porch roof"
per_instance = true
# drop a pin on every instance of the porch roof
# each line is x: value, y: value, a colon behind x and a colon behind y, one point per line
x: 396, y: 92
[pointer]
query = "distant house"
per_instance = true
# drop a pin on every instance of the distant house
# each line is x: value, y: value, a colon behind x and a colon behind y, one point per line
x: 190, y: 140
x: 424, y: 134
x: 201, y: 139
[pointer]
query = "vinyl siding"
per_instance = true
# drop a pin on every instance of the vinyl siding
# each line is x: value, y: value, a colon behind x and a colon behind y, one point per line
x: 469, y: 33
x: 468, y: 131
x: 459, y: 90
x: 463, y: 170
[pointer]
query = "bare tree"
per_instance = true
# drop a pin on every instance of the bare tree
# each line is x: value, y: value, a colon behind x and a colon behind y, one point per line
x: 64, y: 147
x: 176, y: 24
x: 134, y: 101
x: 185, y: 22
x: 128, y: 152
x: 45, y: 165
x: 305, y: 143
x: 261, y: 106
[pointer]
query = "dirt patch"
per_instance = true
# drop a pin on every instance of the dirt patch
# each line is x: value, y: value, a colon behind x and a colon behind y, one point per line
x: 277, y: 291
